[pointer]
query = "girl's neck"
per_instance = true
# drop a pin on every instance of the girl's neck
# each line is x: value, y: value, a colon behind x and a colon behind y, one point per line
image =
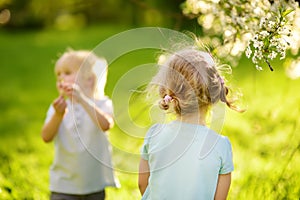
x: 194, y: 118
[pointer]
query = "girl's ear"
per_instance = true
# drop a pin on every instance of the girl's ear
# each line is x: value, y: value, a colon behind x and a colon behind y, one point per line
x: 91, y: 81
x: 88, y: 85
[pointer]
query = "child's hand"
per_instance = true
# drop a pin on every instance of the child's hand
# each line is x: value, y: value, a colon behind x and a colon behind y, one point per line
x: 67, y: 89
x: 73, y: 91
x: 60, y: 105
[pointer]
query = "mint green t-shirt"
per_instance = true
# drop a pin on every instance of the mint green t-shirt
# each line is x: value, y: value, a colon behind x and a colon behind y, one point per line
x: 185, y: 161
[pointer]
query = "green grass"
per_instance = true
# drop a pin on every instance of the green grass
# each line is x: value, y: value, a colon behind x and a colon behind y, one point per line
x: 265, y: 139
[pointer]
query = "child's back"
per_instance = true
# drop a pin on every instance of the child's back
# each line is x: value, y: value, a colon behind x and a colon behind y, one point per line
x: 184, y: 159
x: 183, y: 165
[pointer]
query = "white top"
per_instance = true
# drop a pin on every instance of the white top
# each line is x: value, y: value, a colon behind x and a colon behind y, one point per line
x: 82, y: 162
x: 185, y: 161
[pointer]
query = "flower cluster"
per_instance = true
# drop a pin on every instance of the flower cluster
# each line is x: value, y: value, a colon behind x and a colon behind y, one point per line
x: 271, y: 39
x: 260, y: 28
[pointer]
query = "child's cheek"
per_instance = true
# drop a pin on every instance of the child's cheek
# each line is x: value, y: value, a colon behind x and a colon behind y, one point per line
x: 60, y: 88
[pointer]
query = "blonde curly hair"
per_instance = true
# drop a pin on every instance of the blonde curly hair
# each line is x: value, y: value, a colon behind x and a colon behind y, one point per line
x: 188, y: 81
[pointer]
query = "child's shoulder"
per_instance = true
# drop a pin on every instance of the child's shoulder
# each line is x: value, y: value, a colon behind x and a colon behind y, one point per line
x: 221, y: 139
x: 223, y: 143
x: 103, y: 100
x: 155, y: 127
x: 214, y: 140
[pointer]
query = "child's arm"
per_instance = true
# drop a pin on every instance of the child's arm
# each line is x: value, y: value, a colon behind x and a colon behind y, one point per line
x: 97, y: 115
x: 50, y: 128
x: 223, y: 186
x: 144, y: 174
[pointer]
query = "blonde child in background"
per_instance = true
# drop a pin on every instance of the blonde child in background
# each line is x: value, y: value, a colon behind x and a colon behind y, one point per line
x: 77, y: 121
x: 184, y: 159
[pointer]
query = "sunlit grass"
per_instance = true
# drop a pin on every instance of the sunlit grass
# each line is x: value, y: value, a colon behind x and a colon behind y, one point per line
x: 265, y: 139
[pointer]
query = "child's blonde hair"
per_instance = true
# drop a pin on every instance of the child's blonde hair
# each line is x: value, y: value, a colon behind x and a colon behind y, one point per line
x: 189, y: 80
x: 89, y: 65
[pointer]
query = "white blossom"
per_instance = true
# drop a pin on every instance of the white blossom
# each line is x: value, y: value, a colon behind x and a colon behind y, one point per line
x: 282, y: 55
x: 248, y: 51
x: 272, y: 55
x: 262, y: 22
x: 271, y: 24
x: 257, y: 44
x: 264, y: 33
x: 268, y: 26
x: 259, y: 68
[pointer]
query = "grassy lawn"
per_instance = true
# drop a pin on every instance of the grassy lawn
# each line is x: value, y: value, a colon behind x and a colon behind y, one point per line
x: 265, y: 139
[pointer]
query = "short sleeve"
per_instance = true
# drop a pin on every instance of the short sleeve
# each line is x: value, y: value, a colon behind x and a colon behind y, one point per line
x: 106, y: 105
x: 145, y: 147
x: 50, y: 113
x: 226, y: 157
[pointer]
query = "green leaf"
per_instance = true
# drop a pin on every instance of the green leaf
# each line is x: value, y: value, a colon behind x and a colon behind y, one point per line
x: 286, y: 12
x: 266, y: 42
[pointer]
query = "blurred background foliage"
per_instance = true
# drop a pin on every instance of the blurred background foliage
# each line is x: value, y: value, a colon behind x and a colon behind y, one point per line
x: 265, y: 139
x: 70, y: 14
